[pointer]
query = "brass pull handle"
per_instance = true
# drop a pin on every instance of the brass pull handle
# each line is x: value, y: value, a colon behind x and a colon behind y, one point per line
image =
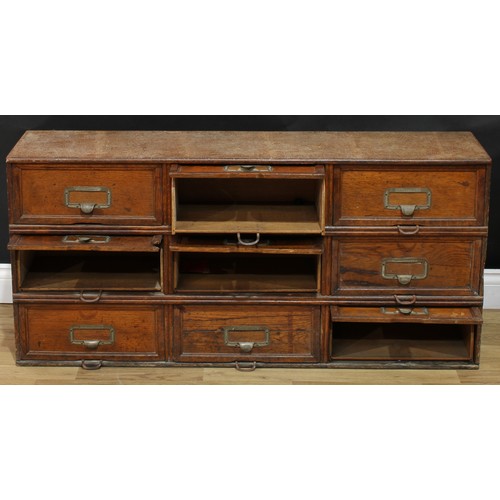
x: 91, y: 344
x: 76, y: 332
x: 248, y: 168
x: 404, y: 278
x: 245, y: 367
x: 408, y: 232
x: 84, y: 239
x: 91, y: 299
x: 407, y: 210
x: 245, y: 346
x: 406, y: 311
x: 91, y: 364
x: 405, y: 300
x: 248, y: 243
x: 87, y: 207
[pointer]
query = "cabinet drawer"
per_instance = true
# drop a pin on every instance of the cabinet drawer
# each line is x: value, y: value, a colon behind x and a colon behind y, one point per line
x: 448, y: 266
x: 92, y: 194
x: 413, y: 195
x: 91, y: 332
x: 238, y: 333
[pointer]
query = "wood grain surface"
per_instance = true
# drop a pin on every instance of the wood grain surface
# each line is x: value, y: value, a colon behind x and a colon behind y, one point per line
x: 286, y: 147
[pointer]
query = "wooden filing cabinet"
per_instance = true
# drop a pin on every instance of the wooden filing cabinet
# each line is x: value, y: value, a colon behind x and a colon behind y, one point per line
x: 248, y: 249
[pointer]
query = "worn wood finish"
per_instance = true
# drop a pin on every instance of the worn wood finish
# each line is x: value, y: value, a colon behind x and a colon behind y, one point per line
x: 437, y: 266
x: 167, y: 243
x: 86, y: 243
x: 293, y: 333
x: 364, y: 196
x: 134, y: 332
x: 133, y: 193
x: 247, y: 147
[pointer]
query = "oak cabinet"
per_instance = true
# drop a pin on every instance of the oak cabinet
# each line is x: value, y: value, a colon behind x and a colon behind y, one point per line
x: 248, y: 249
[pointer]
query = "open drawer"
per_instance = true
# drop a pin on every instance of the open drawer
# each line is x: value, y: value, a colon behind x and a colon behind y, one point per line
x: 404, y: 333
x: 87, y: 262
x: 226, y: 264
x: 248, y: 199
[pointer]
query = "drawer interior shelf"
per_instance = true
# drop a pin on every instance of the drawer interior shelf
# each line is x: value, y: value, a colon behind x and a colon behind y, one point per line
x: 248, y: 205
x: 401, y: 342
x: 70, y: 271
x: 211, y: 272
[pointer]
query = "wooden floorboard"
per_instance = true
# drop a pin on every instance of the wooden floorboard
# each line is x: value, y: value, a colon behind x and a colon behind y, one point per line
x: 488, y: 373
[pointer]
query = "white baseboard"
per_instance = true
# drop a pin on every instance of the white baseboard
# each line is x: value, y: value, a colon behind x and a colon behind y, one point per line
x: 5, y: 284
x: 491, y: 287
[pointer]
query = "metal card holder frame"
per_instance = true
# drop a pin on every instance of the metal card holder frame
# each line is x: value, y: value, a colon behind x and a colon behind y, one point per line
x: 405, y: 279
x: 407, y: 209
x: 245, y: 346
x: 86, y: 189
x: 91, y: 344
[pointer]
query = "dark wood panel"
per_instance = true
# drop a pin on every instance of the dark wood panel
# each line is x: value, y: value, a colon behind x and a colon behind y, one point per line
x: 439, y: 266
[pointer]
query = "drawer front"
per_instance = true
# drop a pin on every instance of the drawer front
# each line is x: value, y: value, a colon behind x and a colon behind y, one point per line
x: 424, y: 196
x: 69, y: 332
x: 248, y: 170
x: 238, y: 333
x: 91, y: 194
x: 436, y: 267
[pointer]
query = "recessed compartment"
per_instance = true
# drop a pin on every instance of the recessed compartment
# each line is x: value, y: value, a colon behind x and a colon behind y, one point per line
x: 205, y: 333
x: 87, y: 262
x: 403, y: 334
x: 248, y: 204
x: 246, y: 272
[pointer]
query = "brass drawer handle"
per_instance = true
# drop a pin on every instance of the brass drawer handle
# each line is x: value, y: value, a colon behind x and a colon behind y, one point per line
x: 91, y: 299
x: 248, y: 243
x: 91, y: 364
x: 407, y: 210
x: 406, y: 311
x: 405, y: 300
x: 245, y: 367
x: 408, y: 232
x: 248, y: 168
x: 91, y: 343
x: 245, y: 346
x: 404, y: 279
x: 86, y: 207
x: 83, y: 239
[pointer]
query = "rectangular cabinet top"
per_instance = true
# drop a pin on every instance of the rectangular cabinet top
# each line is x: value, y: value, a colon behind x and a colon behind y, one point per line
x: 238, y: 147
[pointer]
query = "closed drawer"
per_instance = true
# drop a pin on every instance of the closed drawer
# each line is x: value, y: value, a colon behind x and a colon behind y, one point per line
x: 409, y: 334
x: 448, y: 266
x: 90, y: 194
x: 236, y: 333
x: 68, y: 332
x: 413, y: 195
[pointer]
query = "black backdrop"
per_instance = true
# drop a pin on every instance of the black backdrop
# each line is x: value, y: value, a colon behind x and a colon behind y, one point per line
x: 485, y: 128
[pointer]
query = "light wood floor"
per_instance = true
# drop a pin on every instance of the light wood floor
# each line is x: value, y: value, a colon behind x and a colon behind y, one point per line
x: 489, y: 372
